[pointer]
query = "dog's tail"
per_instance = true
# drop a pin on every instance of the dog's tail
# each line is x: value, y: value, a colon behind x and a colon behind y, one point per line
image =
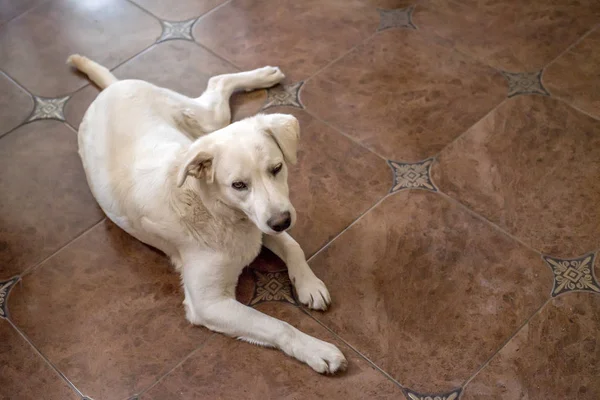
x: 100, y: 75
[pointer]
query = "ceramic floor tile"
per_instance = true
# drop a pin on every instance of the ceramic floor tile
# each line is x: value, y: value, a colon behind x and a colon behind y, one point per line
x: 179, y: 10
x: 15, y: 104
x: 48, y: 34
x: 402, y: 96
x: 333, y: 183
x: 555, y: 356
x: 300, y: 37
x: 45, y: 201
x: 23, y: 372
x: 106, y: 310
x: 429, y: 292
x: 269, y: 374
x: 531, y: 167
x: 178, y: 65
x: 516, y: 36
x: 10, y: 9
x: 574, y: 76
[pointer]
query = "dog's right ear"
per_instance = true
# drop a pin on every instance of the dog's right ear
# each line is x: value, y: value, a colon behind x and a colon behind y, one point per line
x: 197, y: 162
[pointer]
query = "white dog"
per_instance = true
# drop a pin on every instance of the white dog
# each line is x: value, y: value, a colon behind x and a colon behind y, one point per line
x: 171, y: 171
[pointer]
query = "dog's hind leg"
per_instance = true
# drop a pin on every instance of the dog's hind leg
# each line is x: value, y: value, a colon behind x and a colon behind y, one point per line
x: 215, y: 100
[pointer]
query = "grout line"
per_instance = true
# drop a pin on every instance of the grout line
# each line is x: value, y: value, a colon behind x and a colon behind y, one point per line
x: 354, y: 140
x: 220, y: 57
x: 456, y: 139
x: 5, y: 23
x: 387, y: 375
x: 63, y: 376
x: 211, y: 11
x: 70, y: 126
x: 326, y: 245
x: 575, y: 43
x: 364, y: 41
x: 133, y: 3
x: 210, y: 337
x: 573, y: 106
x: 32, y: 268
x: 487, y: 221
x: 507, y: 341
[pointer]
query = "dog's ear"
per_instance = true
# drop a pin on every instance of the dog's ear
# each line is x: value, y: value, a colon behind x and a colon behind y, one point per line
x: 197, y: 162
x: 285, y: 129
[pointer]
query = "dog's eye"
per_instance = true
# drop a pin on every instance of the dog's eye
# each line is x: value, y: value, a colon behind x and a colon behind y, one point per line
x: 276, y: 169
x: 239, y: 185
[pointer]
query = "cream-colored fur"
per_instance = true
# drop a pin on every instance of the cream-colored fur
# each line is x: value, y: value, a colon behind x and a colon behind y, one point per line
x: 174, y: 173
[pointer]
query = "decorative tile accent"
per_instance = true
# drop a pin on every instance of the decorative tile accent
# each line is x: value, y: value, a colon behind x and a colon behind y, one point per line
x: 4, y: 291
x: 48, y: 108
x: 412, y: 175
x: 398, y: 18
x: 573, y: 275
x: 272, y: 286
x: 524, y: 83
x: 177, y: 30
x: 284, y: 95
x: 448, y: 396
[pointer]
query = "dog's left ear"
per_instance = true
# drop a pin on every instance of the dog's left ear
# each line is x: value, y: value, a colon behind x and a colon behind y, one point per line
x: 197, y: 162
x: 285, y: 129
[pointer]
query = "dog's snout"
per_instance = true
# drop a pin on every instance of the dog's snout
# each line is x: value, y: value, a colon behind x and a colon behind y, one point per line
x: 281, y: 222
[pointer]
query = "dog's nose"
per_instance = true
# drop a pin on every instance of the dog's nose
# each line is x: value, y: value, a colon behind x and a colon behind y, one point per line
x: 281, y: 222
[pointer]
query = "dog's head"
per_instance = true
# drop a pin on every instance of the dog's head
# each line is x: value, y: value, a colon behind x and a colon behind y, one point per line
x: 245, y: 167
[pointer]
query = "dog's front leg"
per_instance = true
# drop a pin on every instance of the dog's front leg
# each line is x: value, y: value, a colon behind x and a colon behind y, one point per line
x: 209, y: 302
x: 311, y: 290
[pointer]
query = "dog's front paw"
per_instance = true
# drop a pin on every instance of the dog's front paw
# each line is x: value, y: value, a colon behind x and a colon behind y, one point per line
x: 312, y: 292
x: 321, y: 356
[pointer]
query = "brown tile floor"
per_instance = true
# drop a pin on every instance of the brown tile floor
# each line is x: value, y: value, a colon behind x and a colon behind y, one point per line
x: 448, y: 193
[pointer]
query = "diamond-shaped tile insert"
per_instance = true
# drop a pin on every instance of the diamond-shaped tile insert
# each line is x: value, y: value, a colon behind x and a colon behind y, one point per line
x: 524, y: 83
x: 412, y: 175
x: 573, y: 275
x: 284, y: 95
x: 448, y: 396
x: 5, y: 287
x: 177, y: 30
x: 272, y: 286
x: 46, y: 108
x: 398, y: 18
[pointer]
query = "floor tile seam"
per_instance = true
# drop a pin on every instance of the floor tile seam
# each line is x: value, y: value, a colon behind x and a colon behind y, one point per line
x: 341, y: 132
x: 330, y: 242
x: 29, y: 270
x: 145, y: 11
x: 205, y: 14
x: 466, y: 131
x: 71, y: 127
x: 343, y: 55
x: 504, y: 344
x: 573, y: 106
x: 354, y: 349
x: 209, y: 338
x: 31, y: 96
x: 220, y: 57
x: 490, y: 223
x: 43, y: 356
x: 571, y: 46
x: 5, y: 23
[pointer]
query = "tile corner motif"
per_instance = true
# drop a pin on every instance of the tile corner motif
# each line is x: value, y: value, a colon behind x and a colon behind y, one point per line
x: 396, y: 18
x: 525, y: 83
x: 573, y: 274
x: 412, y: 175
